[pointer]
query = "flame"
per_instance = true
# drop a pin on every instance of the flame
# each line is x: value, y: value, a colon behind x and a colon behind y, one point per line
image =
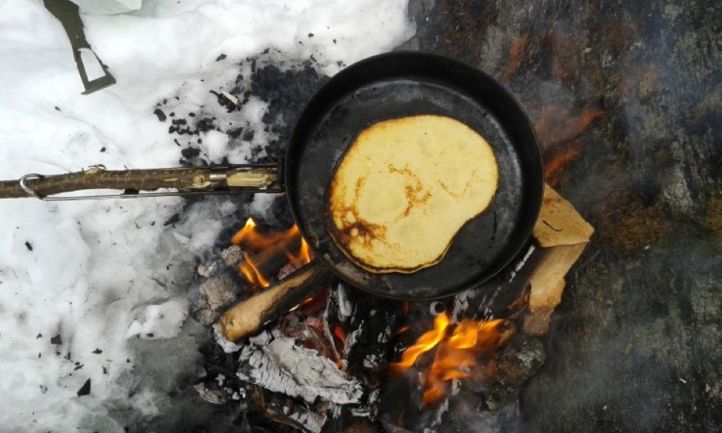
x: 557, y: 162
x: 251, y: 272
x: 303, y: 256
x: 251, y: 239
x: 426, y: 342
x: 254, y: 242
x: 459, y: 355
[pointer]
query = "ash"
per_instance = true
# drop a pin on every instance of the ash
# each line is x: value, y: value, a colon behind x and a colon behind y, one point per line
x: 277, y: 363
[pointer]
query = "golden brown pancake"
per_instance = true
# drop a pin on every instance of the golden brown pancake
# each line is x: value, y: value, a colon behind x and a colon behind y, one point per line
x: 405, y: 187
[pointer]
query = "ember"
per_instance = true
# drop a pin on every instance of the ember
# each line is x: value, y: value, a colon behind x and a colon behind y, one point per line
x: 282, y: 242
x: 465, y: 353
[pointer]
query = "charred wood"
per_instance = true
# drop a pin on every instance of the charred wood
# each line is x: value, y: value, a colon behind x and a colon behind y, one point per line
x: 248, y: 316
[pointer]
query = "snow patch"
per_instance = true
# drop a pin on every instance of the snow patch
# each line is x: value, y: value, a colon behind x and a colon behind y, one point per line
x: 86, y: 271
x: 160, y: 320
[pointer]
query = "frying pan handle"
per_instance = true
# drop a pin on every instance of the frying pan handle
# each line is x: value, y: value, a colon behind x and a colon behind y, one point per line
x: 184, y: 180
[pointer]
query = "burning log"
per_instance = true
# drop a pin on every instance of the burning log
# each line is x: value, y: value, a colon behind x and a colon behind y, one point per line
x: 269, y: 261
x: 266, y: 255
x: 249, y: 315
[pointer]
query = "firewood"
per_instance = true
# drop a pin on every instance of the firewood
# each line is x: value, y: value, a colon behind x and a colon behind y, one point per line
x: 249, y: 315
x: 559, y: 223
x: 547, y: 286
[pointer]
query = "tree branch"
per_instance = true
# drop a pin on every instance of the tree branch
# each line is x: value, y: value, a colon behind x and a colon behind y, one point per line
x: 253, y: 178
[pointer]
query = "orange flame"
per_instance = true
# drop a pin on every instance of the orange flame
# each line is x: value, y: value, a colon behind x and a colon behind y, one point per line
x: 251, y: 239
x: 426, y: 342
x: 303, y: 256
x: 254, y: 242
x: 251, y: 272
x: 458, y: 356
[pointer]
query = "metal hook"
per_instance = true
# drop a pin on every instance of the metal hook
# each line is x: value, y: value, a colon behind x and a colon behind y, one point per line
x: 27, y: 189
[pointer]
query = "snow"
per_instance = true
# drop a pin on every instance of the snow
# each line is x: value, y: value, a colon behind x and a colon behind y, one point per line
x: 96, y: 272
x: 162, y: 320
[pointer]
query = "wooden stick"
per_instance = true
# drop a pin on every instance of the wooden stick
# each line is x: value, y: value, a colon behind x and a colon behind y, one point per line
x: 249, y: 315
x: 197, y: 179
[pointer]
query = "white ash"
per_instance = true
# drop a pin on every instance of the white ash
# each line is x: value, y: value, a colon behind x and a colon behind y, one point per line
x: 227, y: 345
x: 455, y: 386
x: 312, y: 421
x: 214, y: 293
x: 372, y: 360
x: 232, y: 255
x: 213, y: 396
x: 208, y: 269
x: 275, y: 362
x: 374, y: 396
x: 345, y: 305
x: 385, y: 337
x: 361, y: 412
x: 352, y: 338
x: 309, y: 420
x: 438, y: 416
x: 461, y: 304
x: 521, y: 263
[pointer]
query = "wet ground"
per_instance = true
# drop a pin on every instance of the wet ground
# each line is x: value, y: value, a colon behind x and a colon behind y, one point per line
x: 627, y: 101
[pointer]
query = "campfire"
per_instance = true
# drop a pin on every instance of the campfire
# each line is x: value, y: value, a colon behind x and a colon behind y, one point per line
x: 304, y: 352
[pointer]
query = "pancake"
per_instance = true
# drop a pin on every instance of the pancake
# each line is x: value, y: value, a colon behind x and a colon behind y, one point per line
x: 405, y: 187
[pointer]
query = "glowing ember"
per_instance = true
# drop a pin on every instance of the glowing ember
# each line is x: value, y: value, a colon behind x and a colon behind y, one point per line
x: 256, y: 244
x: 339, y: 333
x: 463, y: 354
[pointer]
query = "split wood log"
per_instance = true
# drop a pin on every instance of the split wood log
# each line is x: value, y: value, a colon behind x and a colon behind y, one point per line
x: 559, y: 223
x: 564, y: 234
x: 248, y: 316
x: 193, y: 179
